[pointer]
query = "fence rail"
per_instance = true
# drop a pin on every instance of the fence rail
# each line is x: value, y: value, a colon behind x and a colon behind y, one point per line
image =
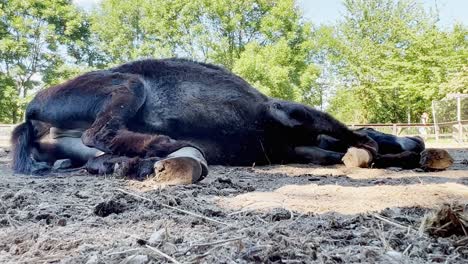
x: 456, y: 130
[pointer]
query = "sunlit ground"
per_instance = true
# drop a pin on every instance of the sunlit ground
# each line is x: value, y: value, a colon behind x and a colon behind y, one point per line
x: 313, y: 198
x: 424, y: 189
x: 363, y: 190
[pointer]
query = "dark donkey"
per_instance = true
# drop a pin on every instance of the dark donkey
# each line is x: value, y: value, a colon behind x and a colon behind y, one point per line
x: 148, y: 109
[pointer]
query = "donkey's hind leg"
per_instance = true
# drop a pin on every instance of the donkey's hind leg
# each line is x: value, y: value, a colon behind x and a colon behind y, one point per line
x: 308, y: 122
x: 316, y: 155
x: 109, y: 131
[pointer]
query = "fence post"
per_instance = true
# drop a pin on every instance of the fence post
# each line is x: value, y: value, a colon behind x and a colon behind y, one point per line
x: 436, y: 127
x: 460, y: 127
x: 395, y: 131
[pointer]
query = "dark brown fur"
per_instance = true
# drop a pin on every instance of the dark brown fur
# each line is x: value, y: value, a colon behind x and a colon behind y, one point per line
x: 150, y: 108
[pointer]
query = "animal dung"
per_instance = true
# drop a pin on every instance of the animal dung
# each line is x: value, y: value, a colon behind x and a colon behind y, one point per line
x: 435, y: 159
x: 107, y: 208
x: 356, y: 157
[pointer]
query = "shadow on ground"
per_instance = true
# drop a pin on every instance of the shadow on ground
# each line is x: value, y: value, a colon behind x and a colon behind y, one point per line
x: 273, y: 214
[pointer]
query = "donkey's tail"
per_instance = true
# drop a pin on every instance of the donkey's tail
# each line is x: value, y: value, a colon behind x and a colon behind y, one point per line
x: 22, y: 141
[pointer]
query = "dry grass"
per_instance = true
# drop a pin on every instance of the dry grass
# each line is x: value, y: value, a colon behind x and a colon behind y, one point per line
x: 448, y: 220
x: 54, y: 219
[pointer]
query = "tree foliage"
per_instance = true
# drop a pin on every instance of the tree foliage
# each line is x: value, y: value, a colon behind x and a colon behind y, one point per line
x: 386, y: 60
x: 264, y: 41
x: 33, y: 34
x: 396, y: 57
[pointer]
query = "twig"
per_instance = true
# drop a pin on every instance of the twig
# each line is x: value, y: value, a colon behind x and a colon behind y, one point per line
x: 122, y: 252
x: 389, y: 222
x: 8, y: 217
x: 422, y: 227
x: 438, y: 229
x: 261, y: 220
x: 171, y: 207
x: 263, y: 149
x: 243, y: 211
x: 159, y: 252
x: 217, y: 242
x: 273, y: 227
x: 44, y: 259
x: 462, y: 224
x: 11, y: 222
x: 407, y: 249
x: 381, y: 236
x: 64, y: 205
x: 295, y: 220
x: 461, y: 241
x: 420, y: 181
x: 207, y: 253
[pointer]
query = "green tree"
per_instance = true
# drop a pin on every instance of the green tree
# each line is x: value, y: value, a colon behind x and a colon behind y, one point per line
x: 457, y: 82
x: 34, y: 36
x: 264, y: 41
x: 345, y: 105
x: 396, y: 58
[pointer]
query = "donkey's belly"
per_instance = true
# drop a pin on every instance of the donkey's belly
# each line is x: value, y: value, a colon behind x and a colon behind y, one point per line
x: 68, y: 144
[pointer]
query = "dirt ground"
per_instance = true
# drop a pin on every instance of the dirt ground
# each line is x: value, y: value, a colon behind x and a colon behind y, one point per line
x: 271, y: 214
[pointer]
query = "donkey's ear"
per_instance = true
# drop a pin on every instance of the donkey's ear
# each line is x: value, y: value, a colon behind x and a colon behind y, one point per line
x: 281, y: 114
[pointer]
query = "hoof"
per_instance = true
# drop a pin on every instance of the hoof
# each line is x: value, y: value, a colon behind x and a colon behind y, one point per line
x: 177, y: 170
x: 40, y: 168
x: 357, y: 158
x: 119, y: 171
x: 435, y: 159
x: 184, y: 166
x: 62, y: 164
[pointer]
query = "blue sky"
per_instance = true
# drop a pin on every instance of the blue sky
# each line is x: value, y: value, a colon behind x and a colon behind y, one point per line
x: 328, y: 11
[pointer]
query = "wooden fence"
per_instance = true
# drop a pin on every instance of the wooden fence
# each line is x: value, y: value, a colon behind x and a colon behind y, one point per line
x: 455, y: 130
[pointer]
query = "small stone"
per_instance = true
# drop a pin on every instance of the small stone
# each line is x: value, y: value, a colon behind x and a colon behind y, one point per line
x: 314, y: 179
x: 62, y: 164
x: 93, y: 260
x: 157, y: 236
x: 394, y: 255
x: 225, y: 180
x: 106, y: 208
x: 278, y: 214
x: 136, y: 259
x: 378, y: 182
x: 3, y: 152
x: 46, y: 218
x: 62, y: 222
